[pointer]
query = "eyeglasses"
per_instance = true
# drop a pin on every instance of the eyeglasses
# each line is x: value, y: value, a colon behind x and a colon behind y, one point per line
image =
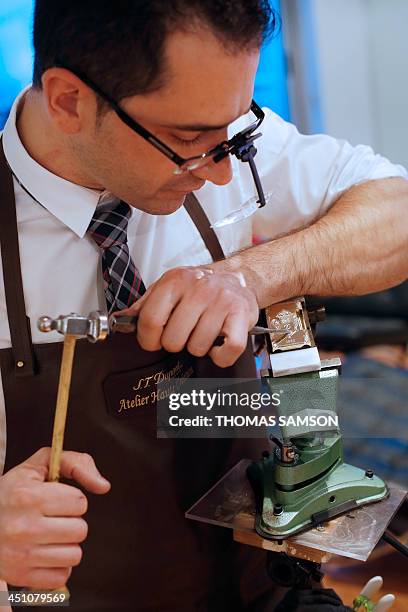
x: 241, y: 144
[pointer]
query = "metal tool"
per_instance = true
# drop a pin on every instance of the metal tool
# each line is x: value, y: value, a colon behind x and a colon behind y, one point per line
x: 73, y: 326
x: 304, y: 481
x: 278, y: 335
x: 94, y: 327
x: 230, y: 503
x: 274, y: 502
x: 127, y: 324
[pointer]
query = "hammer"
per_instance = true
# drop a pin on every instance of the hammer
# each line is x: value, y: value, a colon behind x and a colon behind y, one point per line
x: 72, y: 326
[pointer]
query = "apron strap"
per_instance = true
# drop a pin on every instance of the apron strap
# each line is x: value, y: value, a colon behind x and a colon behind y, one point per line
x: 200, y: 220
x: 19, y: 323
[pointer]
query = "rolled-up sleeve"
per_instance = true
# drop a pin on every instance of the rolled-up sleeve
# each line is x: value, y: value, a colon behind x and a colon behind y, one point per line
x: 305, y: 175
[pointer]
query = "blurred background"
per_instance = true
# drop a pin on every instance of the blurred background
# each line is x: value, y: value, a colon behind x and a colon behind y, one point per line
x: 15, y: 51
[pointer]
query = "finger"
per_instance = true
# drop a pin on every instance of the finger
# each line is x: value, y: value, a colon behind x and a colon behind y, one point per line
x: 78, y: 466
x: 372, y: 587
x: 81, y: 468
x: 49, y: 499
x: 47, y: 578
x: 60, y: 530
x: 206, y: 331
x: 385, y: 603
x: 38, y: 464
x: 51, y: 556
x: 136, y: 306
x: 57, y: 499
x: 155, y: 313
x: 182, y: 322
x: 235, y: 330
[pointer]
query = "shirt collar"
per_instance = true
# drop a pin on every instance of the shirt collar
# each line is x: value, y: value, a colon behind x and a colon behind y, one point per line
x: 72, y: 204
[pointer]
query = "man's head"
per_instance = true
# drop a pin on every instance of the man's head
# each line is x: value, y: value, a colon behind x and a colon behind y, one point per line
x: 183, y: 69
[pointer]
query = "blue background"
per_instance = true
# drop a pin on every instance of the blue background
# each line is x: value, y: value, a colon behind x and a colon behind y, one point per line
x: 16, y: 58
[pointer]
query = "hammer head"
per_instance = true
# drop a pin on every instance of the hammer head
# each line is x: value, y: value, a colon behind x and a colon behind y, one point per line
x: 94, y: 327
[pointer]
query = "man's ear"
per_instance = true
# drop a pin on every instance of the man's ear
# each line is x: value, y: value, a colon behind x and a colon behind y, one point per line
x: 70, y: 103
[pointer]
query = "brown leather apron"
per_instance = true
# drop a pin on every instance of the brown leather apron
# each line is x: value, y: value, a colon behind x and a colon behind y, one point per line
x: 141, y: 553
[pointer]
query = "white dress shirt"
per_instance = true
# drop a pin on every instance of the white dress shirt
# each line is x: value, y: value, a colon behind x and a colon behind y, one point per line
x: 61, y: 264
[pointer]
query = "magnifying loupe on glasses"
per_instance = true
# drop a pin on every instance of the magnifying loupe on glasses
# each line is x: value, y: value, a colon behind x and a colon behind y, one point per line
x: 242, y: 146
x: 243, y: 212
x: 245, y: 151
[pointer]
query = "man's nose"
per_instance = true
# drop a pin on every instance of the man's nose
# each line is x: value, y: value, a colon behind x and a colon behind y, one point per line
x: 218, y: 173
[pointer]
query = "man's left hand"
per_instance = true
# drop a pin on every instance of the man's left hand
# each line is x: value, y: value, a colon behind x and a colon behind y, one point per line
x: 189, y: 307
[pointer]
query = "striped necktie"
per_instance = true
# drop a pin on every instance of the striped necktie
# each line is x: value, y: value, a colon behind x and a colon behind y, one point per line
x: 122, y: 282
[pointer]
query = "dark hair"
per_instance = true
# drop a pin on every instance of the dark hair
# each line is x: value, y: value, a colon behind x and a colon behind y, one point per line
x: 119, y: 43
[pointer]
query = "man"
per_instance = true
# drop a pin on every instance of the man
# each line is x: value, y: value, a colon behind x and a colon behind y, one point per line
x: 182, y: 72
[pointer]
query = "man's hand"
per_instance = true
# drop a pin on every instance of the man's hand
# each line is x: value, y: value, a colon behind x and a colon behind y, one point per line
x: 190, y: 307
x: 40, y: 522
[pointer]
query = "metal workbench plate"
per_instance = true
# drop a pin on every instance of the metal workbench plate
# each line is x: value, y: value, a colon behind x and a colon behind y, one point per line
x: 230, y: 503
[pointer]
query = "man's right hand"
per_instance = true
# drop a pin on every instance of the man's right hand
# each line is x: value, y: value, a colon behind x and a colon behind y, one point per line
x: 40, y: 522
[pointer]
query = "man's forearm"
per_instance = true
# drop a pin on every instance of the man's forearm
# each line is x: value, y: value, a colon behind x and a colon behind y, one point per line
x: 359, y: 246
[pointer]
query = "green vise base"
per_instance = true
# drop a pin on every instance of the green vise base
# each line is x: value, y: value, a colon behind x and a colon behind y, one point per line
x: 283, y: 513
x: 314, y: 484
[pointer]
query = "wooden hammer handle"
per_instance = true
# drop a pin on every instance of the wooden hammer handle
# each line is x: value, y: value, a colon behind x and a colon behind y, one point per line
x: 61, y: 407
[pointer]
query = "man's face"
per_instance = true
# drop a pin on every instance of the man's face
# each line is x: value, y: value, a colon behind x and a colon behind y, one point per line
x: 205, y: 87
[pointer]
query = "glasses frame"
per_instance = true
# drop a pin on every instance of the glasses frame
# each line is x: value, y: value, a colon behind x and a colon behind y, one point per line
x: 233, y: 146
